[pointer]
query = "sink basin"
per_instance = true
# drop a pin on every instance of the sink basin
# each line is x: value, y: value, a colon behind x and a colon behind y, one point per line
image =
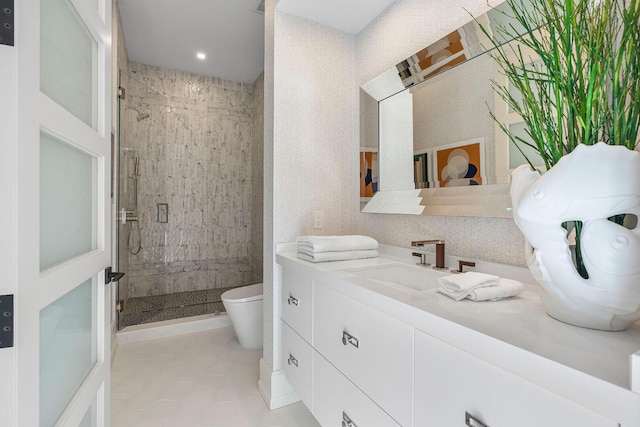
x: 401, y: 275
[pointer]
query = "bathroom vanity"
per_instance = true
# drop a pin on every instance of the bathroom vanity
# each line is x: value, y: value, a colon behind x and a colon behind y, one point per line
x: 371, y: 343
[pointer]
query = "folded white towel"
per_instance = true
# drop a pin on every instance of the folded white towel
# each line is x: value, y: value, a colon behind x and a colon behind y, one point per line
x: 504, y: 289
x: 337, y: 255
x: 337, y: 243
x: 307, y: 251
x: 458, y: 286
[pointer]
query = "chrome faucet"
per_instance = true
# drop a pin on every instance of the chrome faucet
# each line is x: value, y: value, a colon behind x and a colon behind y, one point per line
x: 439, y: 251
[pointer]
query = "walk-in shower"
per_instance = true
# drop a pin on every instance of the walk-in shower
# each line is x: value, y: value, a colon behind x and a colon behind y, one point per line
x: 189, y: 183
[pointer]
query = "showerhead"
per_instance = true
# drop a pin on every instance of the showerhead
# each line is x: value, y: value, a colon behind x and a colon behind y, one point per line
x: 139, y: 116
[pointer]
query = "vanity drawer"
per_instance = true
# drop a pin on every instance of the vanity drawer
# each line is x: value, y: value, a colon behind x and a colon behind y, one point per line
x: 336, y: 399
x: 296, y: 362
x: 296, y: 302
x: 451, y: 383
x: 373, y: 350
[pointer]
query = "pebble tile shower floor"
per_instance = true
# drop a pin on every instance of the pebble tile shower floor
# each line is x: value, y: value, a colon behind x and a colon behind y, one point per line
x: 194, y: 380
x: 177, y: 305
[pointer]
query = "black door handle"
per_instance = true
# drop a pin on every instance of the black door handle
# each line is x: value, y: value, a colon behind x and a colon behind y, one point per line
x: 111, y: 276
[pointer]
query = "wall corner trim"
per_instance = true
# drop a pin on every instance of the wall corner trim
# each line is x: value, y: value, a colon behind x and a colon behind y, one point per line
x: 274, y: 387
x: 635, y: 372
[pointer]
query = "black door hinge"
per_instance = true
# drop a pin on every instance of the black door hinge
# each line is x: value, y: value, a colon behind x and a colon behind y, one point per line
x: 6, y: 321
x: 7, y: 22
x: 111, y: 276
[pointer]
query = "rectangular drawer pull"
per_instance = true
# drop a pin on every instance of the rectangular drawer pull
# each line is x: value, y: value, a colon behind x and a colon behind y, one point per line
x: 347, y: 338
x: 292, y: 300
x: 292, y: 360
x: 472, y: 422
x: 346, y: 421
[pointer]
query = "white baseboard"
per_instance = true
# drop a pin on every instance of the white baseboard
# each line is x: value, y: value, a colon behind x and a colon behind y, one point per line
x: 170, y: 328
x: 274, y: 387
x: 635, y: 372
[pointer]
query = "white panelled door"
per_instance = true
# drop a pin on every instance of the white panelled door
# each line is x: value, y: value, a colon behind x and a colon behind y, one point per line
x: 55, y: 121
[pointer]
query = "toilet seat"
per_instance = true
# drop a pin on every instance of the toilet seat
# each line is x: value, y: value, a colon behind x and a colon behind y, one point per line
x: 243, y: 294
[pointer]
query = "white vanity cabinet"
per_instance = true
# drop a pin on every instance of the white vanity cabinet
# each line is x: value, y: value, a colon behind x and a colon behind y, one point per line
x: 357, y: 355
x: 370, y: 348
x: 296, y: 302
x: 454, y: 388
x: 337, y: 402
x: 345, y: 360
x: 297, y: 363
x: 295, y: 324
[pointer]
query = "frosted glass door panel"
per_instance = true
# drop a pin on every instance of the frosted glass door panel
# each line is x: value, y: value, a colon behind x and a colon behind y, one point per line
x: 68, y: 348
x: 68, y: 202
x: 90, y: 419
x: 68, y: 60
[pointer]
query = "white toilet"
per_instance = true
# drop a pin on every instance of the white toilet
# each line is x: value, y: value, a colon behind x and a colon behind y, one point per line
x: 244, y: 307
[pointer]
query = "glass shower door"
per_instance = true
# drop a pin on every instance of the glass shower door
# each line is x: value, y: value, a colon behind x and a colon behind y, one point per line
x: 142, y: 114
x: 186, y: 195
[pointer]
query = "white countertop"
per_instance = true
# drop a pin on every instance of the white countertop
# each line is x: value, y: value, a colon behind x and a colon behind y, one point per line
x: 515, y: 334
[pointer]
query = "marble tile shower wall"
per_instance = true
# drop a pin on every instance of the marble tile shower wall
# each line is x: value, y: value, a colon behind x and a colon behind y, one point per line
x: 193, y: 135
x: 257, y: 161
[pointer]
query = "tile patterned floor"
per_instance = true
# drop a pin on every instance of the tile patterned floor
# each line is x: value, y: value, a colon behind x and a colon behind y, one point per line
x: 156, y: 308
x: 194, y: 380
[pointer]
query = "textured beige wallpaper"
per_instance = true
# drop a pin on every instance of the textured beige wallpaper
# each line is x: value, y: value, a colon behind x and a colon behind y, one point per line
x: 315, y: 126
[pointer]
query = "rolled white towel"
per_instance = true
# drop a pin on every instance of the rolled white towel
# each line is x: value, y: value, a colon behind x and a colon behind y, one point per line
x: 337, y: 243
x: 458, y: 286
x: 504, y: 289
x: 337, y: 255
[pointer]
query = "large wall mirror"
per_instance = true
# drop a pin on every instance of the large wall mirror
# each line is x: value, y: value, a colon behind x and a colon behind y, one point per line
x: 428, y: 144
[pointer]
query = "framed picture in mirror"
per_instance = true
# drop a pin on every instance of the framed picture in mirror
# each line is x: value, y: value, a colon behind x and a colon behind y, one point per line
x: 368, y: 173
x: 459, y: 164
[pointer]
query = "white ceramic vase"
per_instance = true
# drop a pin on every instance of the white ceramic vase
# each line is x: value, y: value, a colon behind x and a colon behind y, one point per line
x: 590, y: 184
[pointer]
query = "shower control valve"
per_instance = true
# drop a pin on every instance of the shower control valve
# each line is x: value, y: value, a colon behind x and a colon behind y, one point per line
x: 126, y: 215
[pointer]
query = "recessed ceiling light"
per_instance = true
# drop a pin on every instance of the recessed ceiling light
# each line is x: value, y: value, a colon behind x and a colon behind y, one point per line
x: 201, y: 55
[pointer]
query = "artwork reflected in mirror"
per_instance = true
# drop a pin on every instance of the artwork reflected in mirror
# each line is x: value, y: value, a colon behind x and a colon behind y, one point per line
x: 451, y: 113
x: 453, y: 140
x: 368, y: 173
x: 460, y: 164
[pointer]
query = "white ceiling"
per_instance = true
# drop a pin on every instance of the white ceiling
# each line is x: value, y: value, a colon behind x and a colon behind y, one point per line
x: 168, y: 33
x: 350, y: 16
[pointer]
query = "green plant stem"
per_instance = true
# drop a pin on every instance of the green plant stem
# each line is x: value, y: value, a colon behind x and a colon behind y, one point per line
x: 580, y: 83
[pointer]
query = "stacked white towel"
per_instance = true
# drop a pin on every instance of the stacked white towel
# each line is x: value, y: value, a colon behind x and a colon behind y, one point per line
x: 336, y: 248
x: 478, y: 287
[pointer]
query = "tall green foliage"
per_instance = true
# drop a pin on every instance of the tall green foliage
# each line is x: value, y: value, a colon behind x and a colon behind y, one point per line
x: 583, y: 85
x: 577, y: 67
